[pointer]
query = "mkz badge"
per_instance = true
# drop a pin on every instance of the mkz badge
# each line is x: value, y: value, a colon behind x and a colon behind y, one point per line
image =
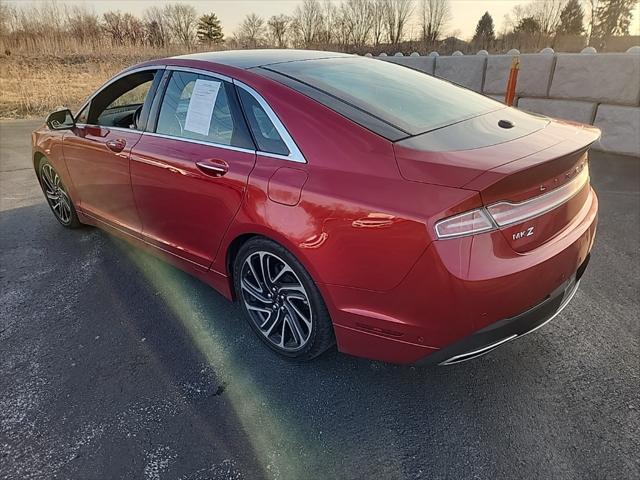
x: 525, y: 233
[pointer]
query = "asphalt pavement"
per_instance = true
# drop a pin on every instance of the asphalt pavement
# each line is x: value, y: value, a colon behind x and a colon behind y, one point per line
x: 114, y: 365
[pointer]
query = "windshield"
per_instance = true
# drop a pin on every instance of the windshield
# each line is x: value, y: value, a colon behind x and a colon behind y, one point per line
x: 407, y: 99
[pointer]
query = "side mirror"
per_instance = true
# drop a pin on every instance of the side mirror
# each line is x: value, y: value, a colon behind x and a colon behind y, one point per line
x: 61, y: 120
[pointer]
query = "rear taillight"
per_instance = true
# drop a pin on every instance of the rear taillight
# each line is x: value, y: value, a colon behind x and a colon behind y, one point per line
x: 508, y: 213
x: 468, y: 223
x: 502, y: 214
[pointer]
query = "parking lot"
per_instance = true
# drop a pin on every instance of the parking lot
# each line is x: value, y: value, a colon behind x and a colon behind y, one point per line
x: 115, y: 365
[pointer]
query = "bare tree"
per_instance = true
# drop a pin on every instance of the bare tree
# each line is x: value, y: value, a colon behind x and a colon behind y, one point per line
x: 278, y: 25
x: 182, y: 20
x: 157, y: 26
x: 520, y: 12
x: 308, y: 21
x: 396, y: 14
x: 330, y: 18
x: 435, y: 16
x: 358, y: 19
x: 378, y: 28
x: 251, y: 32
x: 114, y: 27
x: 340, y: 28
x: 536, y: 23
x: 82, y: 24
x: 133, y: 30
x: 52, y: 12
x: 294, y: 33
x: 40, y: 20
x: 593, y: 17
x: 547, y: 14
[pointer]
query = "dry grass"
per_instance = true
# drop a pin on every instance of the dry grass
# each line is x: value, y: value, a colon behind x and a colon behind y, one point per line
x: 32, y: 85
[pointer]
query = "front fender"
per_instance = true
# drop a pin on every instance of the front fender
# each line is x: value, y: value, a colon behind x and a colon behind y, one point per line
x: 50, y: 144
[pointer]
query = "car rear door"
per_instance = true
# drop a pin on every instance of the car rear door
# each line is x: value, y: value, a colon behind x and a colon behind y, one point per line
x: 97, y: 149
x: 189, y: 171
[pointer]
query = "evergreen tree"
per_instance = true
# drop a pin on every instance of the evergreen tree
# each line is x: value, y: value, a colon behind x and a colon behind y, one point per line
x: 614, y: 17
x: 485, y: 34
x: 528, y: 25
x: 210, y: 30
x: 571, y: 19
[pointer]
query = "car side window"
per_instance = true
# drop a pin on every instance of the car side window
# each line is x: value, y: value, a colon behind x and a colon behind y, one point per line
x: 200, y: 107
x: 264, y: 131
x: 83, y: 116
x: 120, y: 103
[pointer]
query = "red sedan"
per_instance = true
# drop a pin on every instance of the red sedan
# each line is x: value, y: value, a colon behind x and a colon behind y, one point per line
x: 338, y: 199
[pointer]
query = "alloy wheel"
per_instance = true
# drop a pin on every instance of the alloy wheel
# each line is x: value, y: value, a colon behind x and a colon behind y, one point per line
x: 56, y: 194
x: 276, y: 301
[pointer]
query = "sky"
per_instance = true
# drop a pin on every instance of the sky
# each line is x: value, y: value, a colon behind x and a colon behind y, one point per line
x: 464, y: 13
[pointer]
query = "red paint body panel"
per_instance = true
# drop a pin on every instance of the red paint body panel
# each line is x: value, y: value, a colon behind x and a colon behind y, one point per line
x: 100, y: 176
x: 359, y: 215
x: 285, y: 185
x: 183, y: 210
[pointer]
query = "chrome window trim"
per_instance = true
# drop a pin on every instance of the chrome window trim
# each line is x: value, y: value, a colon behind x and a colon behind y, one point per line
x: 171, y: 137
x: 295, y: 155
x: 200, y: 142
x: 199, y: 71
x: 112, y: 80
x: 119, y: 129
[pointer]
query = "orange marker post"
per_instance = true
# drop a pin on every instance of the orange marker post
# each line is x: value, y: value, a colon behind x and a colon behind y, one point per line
x: 513, y: 80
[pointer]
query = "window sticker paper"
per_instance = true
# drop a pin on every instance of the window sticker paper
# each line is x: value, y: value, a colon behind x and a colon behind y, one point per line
x: 201, y: 103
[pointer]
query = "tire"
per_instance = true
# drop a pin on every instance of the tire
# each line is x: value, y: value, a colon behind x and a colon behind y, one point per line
x: 278, y: 306
x: 56, y: 194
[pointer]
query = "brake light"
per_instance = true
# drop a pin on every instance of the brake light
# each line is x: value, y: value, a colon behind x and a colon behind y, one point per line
x: 508, y: 213
x: 468, y: 223
x: 502, y: 214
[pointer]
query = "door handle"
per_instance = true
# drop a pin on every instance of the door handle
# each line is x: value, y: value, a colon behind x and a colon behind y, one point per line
x: 217, y: 169
x: 116, y: 145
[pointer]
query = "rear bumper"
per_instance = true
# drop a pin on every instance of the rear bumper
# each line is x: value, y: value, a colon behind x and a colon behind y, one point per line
x: 461, y: 288
x: 498, y: 333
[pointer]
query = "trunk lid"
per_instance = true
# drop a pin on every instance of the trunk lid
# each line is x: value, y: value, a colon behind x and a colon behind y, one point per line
x: 554, y: 183
x: 514, y: 167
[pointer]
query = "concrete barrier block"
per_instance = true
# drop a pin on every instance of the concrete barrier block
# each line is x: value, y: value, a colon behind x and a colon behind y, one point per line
x: 574, y: 110
x: 620, y: 126
x: 607, y: 78
x: 533, y: 78
x: 467, y: 71
x: 423, y: 64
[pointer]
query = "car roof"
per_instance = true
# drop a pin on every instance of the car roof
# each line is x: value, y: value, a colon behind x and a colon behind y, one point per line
x: 258, y: 58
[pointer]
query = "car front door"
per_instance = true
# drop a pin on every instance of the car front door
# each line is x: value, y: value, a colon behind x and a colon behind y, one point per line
x: 189, y: 171
x: 97, y: 150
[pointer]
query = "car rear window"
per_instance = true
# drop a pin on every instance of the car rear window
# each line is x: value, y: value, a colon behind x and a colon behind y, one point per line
x: 407, y: 99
